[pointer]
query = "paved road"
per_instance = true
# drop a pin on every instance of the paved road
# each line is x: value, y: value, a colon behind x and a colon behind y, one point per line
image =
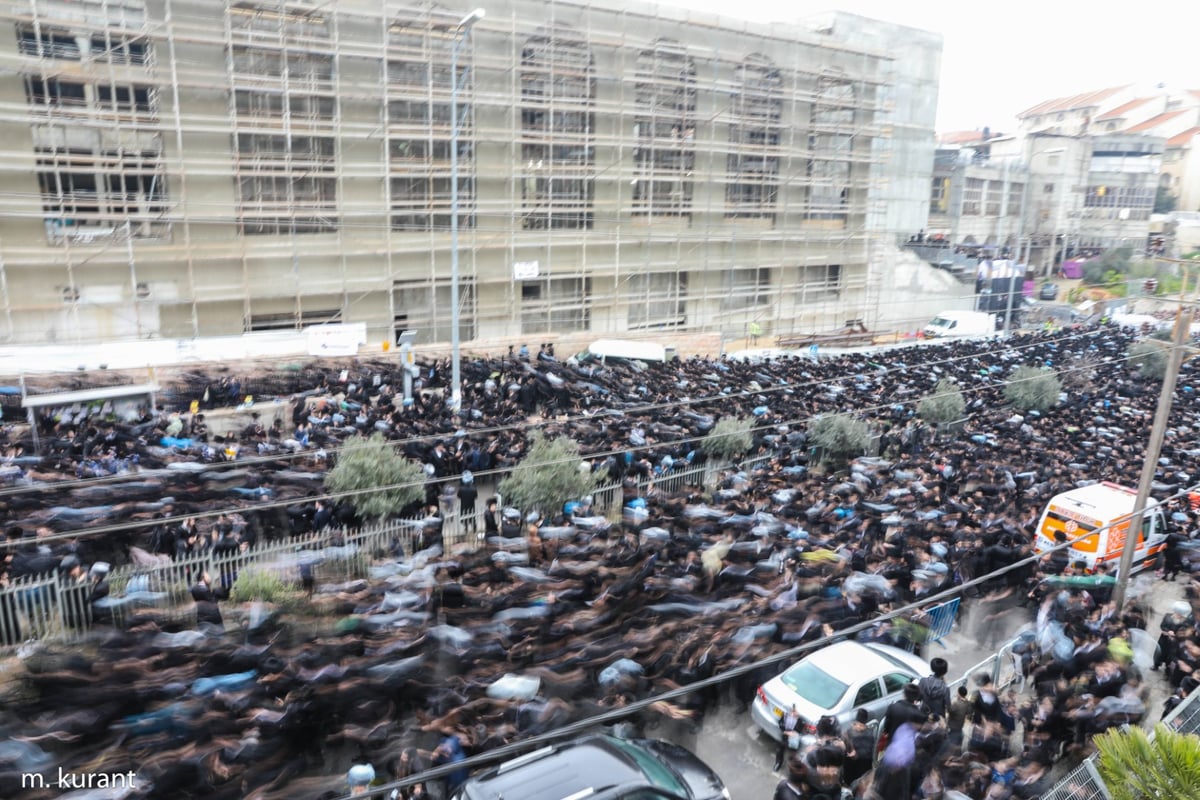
x: 731, y: 743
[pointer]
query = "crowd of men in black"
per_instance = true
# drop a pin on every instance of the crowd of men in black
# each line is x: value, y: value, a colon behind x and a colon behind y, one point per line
x: 696, y: 583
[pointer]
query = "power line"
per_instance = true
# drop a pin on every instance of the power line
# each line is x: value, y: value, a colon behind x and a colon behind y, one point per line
x: 601, y: 455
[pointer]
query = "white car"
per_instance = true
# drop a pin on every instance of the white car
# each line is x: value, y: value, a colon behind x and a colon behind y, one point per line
x: 837, y: 681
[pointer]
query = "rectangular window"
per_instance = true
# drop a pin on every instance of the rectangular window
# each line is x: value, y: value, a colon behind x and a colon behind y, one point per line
x: 828, y: 173
x: 657, y: 300
x: 555, y: 305
x: 291, y: 321
x: 820, y: 282
x: 746, y: 288
x: 281, y: 204
x: 972, y: 204
x: 424, y: 306
x: 1015, y: 192
x: 56, y: 93
x: 44, y: 42
x: 995, y: 198
x: 124, y: 99
x: 88, y: 195
x: 119, y: 51
x: 939, y: 195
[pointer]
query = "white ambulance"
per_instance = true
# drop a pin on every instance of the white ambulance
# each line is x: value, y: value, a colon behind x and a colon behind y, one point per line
x: 1102, y: 510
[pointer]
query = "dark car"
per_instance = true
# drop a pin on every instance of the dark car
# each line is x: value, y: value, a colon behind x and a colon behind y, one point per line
x: 599, y: 766
x: 1049, y: 291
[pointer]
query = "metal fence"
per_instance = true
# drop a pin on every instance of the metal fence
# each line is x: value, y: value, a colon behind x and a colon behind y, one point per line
x: 1185, y: 717
x: 941, y: 620
x: 53, y: 607
x: 46, y: 607
x: 1003, y: 668
x: 1084, y: 782
x: 1081, y: 783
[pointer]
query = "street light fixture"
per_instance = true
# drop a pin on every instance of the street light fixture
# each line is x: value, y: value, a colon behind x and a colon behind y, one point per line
x: 461, y: 33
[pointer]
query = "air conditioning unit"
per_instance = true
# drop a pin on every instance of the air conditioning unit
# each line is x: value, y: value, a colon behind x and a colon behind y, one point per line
x: 70, y: 294
x: 1123, y: 213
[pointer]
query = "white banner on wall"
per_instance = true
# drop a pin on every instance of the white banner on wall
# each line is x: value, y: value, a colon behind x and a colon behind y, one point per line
x: 525, y: 270
x: 336, y: 340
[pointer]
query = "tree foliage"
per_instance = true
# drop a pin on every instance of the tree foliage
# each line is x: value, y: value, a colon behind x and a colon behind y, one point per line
x: 548, y: 476
x: 1164, y: 201
x: 945, y: 404
x: 838, y: 437
x: 1110, y: 268
x: 1033, y: 389
x: 1136, y: 767
x: 369, y: 464
x: 729, y: 438
x: 1149, y: 358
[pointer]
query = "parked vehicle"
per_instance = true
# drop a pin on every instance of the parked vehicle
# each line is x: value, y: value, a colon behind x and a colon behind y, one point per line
x: 1049, y: 292
x: 961, y: 323
x: 600, y: 767
x: 626, y: 350
x: 1104, y: 510
x: 837, y: 681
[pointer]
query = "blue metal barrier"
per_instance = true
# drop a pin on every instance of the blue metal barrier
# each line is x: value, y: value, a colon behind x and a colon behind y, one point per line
x: 941, y: 620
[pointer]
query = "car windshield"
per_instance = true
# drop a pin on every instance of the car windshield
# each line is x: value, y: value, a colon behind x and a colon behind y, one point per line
x: 655, y: 771
x: 814, y: 684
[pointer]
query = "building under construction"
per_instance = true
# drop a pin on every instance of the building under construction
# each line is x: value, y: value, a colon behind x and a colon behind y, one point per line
x: 180, y: 168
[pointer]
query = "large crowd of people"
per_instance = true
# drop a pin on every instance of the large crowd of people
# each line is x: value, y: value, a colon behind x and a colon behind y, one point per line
x: 441, y: 654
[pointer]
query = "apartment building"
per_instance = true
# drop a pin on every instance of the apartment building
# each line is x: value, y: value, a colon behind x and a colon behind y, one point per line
x: 181, y: 168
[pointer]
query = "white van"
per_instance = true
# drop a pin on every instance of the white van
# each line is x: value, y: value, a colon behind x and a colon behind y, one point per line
x: 961, y: 323
x: 1104, y: 508
x: 626, y: 350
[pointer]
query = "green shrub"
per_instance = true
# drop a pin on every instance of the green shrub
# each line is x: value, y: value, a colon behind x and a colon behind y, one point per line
x: 1033, y: 389
x: 729, y: 439
x: 1149, y: 358
x: 366, y: 465
x: 838, y: 437
x: 945, y: 404
x: 259, y: 585
x: 548, y: 476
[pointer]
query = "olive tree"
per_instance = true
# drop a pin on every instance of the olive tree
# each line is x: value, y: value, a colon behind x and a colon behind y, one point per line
x: 1033, y: 389
x: 945, y: 404
x: 548, y: 476
x: 838, y: 437
x: 377, y: 479
x: 729, y: 438
x: 1149, y: 358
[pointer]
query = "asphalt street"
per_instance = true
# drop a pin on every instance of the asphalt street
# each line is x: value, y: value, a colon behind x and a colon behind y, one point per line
x: 732, y: 745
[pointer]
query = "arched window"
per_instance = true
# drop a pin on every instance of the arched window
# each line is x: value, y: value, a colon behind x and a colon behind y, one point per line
x: 830, y: 143
x: 665, y: 131
x: 558, y: 155
x: 419, y: 125
x: 756, y: 117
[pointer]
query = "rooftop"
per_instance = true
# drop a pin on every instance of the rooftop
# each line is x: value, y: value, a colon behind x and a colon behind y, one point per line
x: 1077, y: 101
x: 963, y: 137
x: 1154, y: 122
x: 1120, y: 111
x: 1181, y: 139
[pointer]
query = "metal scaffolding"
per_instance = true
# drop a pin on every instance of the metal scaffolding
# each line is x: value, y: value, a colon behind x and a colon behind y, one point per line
x: 205, y: 167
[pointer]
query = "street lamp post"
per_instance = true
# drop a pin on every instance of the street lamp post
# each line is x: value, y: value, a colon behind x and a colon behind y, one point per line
x: 460, y: 37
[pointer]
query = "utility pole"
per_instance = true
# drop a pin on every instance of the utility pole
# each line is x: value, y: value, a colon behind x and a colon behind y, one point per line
x: 1183, y: 324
